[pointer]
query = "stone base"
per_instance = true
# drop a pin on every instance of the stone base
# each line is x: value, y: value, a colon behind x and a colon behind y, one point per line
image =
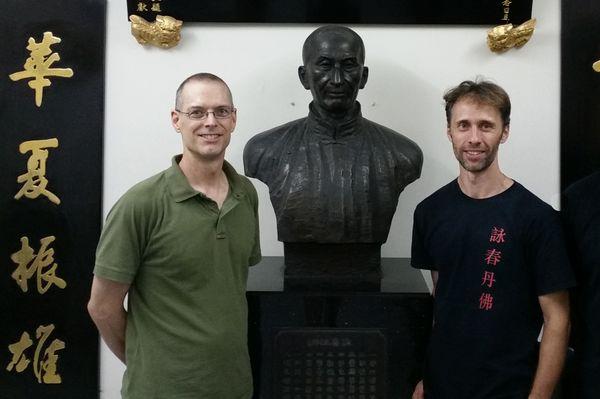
x: 332, y: 267
x: 307, y: 344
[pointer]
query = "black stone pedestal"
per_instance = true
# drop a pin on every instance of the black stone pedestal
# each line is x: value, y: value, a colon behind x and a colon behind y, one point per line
x: 332, y: 267
x: 337, y: 345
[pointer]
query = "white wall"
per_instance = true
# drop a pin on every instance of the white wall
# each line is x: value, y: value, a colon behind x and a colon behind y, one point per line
x: 410, y: 68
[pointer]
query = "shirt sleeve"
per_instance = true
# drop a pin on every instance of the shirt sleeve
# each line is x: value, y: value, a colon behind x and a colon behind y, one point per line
x: 547, y: 248
x: 121, y: 244
x: 255, y: 256
x: 420, y: 257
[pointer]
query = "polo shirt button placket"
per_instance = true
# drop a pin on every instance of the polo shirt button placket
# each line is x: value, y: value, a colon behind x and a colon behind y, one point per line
x: 219, y: 229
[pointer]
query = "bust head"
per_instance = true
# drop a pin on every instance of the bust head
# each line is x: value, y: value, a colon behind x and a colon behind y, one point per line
x: 333, y: 70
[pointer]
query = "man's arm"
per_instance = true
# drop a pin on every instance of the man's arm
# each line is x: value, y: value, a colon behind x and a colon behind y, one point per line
x: 419, y: 392
x: 434, y: 279
x: 109, y: 315
x: 553, y: 348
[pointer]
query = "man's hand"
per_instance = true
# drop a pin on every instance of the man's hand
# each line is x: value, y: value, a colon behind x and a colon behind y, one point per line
x: 419, y: 392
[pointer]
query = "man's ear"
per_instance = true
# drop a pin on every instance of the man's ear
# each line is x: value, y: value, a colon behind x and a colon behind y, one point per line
x: 175, y: 120
x: 505, y: 133
x: 364, y: 77
x: 234, y: 119
x: 302, y: 76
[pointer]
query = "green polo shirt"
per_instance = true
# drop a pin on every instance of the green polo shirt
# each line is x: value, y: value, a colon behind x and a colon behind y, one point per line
x: 187, y: 263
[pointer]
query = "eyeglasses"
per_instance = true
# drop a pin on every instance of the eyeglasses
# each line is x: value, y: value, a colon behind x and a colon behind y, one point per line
x: 218, y: 113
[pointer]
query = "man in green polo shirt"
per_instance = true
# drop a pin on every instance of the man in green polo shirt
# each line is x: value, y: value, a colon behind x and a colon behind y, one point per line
x: 180, y: 243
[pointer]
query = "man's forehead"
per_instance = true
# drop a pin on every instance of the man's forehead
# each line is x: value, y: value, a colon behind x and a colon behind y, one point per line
x: 469, y: 107
x: 206, y: 91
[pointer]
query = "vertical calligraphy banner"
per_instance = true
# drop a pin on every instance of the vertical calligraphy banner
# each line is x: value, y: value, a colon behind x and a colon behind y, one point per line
x: 51, y: 122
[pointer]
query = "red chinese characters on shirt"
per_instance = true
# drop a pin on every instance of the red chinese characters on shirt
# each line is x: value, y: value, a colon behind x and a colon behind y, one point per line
x: 497, y: 235
x: 488, y: 279
x: 492, y: 257
x: 486, y: 301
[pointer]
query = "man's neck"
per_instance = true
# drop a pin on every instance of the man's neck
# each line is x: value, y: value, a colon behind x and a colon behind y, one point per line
x: 206, y: 176
x: 484, y: 184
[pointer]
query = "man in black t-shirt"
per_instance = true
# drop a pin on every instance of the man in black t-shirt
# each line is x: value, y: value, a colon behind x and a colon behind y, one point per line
x: 498, y: 264
x: 581, y: 214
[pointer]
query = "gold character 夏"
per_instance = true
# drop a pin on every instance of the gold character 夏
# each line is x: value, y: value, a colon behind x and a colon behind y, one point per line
x: 34, y: 179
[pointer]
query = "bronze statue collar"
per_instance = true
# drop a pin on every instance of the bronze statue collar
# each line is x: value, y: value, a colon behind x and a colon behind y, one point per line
x: 332, y: 128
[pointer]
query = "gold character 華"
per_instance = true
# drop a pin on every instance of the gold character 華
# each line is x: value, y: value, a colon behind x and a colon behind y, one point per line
x: 38, y: 65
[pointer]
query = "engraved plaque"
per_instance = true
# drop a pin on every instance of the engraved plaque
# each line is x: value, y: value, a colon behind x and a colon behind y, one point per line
x: 330, y: 364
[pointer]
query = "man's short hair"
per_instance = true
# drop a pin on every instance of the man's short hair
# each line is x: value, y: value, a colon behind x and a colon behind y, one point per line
x: 309, y: 43
x: 480, y: 91
x: 200, y: 77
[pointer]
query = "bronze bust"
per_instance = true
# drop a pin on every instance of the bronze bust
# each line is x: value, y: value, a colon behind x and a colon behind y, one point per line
x: 334, y: 177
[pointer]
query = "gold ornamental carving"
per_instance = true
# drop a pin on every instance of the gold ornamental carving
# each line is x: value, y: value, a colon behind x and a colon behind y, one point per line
x: 504, y: 37
x: 163, y: 33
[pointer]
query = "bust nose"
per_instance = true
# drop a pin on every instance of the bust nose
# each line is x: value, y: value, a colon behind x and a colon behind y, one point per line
x: 336, y: 75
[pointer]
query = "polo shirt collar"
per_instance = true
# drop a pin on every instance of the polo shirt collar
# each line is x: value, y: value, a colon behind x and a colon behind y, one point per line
x: 181, y: 190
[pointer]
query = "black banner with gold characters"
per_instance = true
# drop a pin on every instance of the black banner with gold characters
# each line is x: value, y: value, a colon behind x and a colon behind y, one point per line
x: 453, y: 12
x: 580, y: 90
x: 51, y: 125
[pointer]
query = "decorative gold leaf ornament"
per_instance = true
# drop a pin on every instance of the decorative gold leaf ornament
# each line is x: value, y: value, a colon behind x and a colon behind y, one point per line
x: 504, y: 37
x: 596, y: 66
x: 163, y: 33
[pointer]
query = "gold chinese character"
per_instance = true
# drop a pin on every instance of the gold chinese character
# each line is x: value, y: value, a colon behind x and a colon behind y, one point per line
x: 156, y: 7
x: 35, y: 178
x: 38, y: 65
x: 29, y: 263
x: 47, y: 363
x: 142, y: 7
x: 44, y: 366
x: 506, y: 3
x: 17, y: 349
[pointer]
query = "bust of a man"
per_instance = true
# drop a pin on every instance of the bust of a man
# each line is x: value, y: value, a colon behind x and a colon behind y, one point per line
x: 334, y: 177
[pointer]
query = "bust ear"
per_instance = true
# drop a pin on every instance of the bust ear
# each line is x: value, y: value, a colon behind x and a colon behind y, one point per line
x: 302, y: 76
x: 364, y: 77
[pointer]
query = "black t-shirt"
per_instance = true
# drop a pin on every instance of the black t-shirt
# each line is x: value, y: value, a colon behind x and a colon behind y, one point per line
x: 494, y: 257
x: 581, y: 215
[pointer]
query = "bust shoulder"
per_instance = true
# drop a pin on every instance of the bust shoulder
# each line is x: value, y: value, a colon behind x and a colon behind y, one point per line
x: 265, y: 145
x: 395, y: 142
